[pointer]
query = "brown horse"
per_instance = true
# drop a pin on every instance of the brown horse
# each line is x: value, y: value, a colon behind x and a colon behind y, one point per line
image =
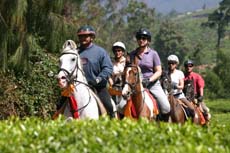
x: 139, y: 102
x: 189, y: 94
x: 179, y: 112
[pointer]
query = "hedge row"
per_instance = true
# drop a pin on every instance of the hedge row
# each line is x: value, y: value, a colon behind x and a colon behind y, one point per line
x: 104, y: 135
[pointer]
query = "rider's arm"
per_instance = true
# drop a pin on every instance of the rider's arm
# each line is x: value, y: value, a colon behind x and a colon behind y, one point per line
x: 200, y: 84
x: 110, y: 82
x: 181, y: 84
x: 157, y: 74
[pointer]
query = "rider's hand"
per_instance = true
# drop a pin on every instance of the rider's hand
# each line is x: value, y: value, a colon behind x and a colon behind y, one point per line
x: 174, y: 85
x: 95, y: 82
x: 145, y: 82
x: 200, y: 99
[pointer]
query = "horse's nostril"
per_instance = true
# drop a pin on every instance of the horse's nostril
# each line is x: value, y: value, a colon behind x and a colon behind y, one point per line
x: 63, y: 77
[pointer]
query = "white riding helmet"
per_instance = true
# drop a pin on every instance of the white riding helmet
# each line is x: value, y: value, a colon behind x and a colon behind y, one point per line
x: 119, y: 44
x: 173, y: 58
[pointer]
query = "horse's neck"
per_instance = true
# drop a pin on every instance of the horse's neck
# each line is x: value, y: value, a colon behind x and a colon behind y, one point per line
x: 172, y: 100
x: 81, y: 77
x: 80, y: 74
x: 138, y: 97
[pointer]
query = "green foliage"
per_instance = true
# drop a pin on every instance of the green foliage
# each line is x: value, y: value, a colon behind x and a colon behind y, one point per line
x: 31, y: 94
x: 222, y: 69
x: 104, y: 135
x: 217, y: 80
x: 213, y: 85
x: 33, y: 31
x: 219, y: 20
x: 170, y: 40
x: 199, y: 41
x: 220, y: 106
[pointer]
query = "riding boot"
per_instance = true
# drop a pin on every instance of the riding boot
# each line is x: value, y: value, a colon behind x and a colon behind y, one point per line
x: 112, y: 115
x: 165, y: 117
x: 192, y: 112
x: 60, y: 102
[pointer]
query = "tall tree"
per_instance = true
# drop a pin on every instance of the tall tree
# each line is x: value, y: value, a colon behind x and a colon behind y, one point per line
x: 169, y: 40
x: 29, y: 23
x: 219, y: 20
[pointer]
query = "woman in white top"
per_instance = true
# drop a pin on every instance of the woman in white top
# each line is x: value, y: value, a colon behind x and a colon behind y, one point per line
x: 177, y: 79
x: 115, y: 81
x: 118, y: 63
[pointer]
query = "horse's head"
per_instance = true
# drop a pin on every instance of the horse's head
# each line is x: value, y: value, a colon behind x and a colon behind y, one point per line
x: 131, y: 79
x: 166, y: 82
x: 189, y: 90
x: 69, y: 62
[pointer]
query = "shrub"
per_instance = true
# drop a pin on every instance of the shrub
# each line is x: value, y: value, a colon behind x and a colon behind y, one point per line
x: 213, y: 85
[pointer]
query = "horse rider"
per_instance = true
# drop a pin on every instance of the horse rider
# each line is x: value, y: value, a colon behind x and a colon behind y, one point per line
x: 97, y: 65
x: 115, y: 81
x: 118, y: 63
x: 150, y: 65
x: 177, y: 81
x: 198, y: 83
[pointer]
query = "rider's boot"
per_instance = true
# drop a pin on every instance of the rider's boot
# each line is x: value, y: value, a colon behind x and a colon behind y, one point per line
x: 60, y: 102
x: 206, y: 113
x: 207, y: 116
x: 112, y: 115
x: 165, y: 117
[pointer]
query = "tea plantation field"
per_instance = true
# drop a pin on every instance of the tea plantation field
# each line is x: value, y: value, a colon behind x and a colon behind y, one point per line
x: 112, y: 136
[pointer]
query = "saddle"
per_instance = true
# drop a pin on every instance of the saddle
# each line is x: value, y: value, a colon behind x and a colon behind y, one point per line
x: 130, y: 111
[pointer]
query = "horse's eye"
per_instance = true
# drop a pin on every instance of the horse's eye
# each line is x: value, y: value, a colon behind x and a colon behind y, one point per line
x: 73, y: 59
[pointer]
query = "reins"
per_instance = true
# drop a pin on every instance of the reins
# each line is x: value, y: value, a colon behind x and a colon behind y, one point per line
x: 132, y: 86
x: 70, y: 79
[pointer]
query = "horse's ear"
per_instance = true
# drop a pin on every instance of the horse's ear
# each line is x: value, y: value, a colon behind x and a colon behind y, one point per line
x: 127, y: 61
x: 70, y: 43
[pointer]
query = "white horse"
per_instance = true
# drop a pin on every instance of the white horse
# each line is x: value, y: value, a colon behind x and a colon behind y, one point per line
x: 72, y: 80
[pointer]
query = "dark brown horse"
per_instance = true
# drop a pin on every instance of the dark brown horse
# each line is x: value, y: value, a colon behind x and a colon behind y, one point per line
x: 179, y: 112
x: 189, y: 94
x: 139, y: 102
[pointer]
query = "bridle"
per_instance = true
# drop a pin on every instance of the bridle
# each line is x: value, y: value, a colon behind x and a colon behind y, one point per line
x: 132, y: 85
x: 69, y: 75
x: 70, y: 79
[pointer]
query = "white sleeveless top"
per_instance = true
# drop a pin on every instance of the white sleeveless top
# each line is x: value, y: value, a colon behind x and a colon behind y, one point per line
x: 175, y: 77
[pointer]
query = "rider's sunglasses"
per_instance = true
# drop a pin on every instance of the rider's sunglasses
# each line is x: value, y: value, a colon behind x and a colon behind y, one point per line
x: 142, y: 37
x: 84, y: 36
x: 117, y: 50
x: 172, y: 62
x: 189, y: 65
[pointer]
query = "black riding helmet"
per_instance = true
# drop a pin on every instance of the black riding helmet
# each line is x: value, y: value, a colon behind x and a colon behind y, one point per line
x: 86, y: 30
x: 143, y: 32
x: 188, y: 62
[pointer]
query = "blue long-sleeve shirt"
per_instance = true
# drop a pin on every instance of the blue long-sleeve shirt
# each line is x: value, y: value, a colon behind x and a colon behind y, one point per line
x: 96, y: 63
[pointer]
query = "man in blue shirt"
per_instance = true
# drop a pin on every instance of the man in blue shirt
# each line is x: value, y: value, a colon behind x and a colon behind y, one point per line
x: 97, y: 65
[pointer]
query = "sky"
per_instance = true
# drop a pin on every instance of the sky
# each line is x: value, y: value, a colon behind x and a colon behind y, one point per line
x: 181, y: 6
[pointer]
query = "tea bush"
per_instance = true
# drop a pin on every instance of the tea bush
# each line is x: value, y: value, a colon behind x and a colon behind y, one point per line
x: 104, y: 135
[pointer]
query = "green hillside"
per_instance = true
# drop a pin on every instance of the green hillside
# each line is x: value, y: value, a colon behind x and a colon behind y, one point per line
x: 195, y: 34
